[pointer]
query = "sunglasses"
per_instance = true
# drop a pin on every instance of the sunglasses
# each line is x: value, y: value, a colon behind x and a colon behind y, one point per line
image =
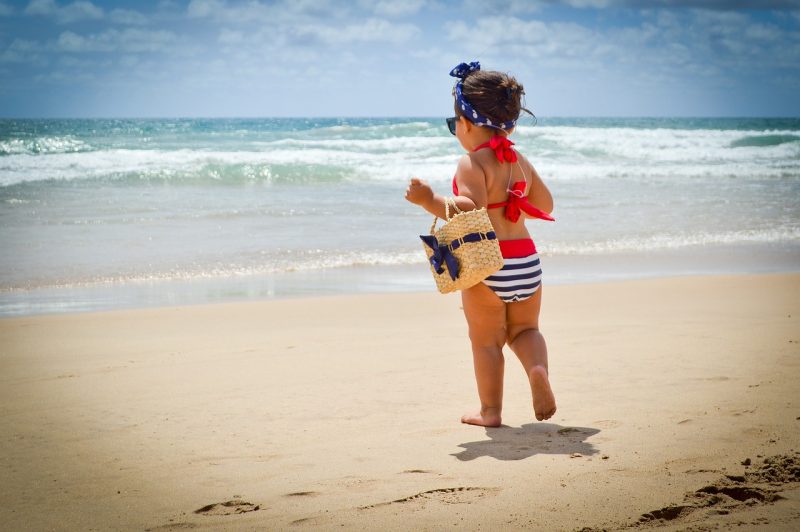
x: 451, y: 124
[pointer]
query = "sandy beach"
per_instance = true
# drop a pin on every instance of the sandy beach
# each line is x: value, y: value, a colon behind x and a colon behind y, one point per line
x: 343, y: 412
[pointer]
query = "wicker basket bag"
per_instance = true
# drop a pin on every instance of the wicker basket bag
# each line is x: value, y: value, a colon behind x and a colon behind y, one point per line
x: 464, y: 251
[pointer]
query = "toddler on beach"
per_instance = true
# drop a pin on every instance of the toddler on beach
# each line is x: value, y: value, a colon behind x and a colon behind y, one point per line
x: 504, y: 308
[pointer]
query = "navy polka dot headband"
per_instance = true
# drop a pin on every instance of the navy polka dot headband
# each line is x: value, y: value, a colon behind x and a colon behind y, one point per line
x: 467, y: 110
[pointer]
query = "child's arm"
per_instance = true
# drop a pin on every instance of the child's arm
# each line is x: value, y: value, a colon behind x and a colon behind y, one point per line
x: 471, y: 188
x: 539, y: 195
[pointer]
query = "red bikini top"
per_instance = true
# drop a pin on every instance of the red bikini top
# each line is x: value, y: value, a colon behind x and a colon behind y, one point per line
x: 517, y: 199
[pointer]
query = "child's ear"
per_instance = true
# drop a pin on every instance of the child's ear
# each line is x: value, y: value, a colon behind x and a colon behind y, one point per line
x: 466, y: 123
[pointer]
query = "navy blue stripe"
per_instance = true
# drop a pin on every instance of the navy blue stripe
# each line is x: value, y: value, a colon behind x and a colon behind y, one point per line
x: 472, y: 238
x: 513, y: 299
x: 521, y: 266
x: 515, y: 287
x: 524, y: 293
x: 518, y: 277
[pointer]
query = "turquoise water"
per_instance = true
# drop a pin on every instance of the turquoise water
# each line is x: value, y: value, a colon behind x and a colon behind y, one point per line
x: 105, y: 213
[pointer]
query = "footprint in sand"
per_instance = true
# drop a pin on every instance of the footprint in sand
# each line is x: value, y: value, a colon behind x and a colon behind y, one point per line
x: 607, y: 423
x: 172, y: 526
x: 458, y: 495
x: 235, y: 506
x: 732, y: 492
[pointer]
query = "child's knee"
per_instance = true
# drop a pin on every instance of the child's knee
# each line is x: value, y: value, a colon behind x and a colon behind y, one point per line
x: 515, y: 332
x: 487, y: 342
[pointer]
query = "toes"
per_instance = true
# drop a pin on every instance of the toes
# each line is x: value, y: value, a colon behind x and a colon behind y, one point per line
x: 541, y: 416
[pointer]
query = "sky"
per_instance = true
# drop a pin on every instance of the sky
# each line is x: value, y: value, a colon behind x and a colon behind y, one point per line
x: 262, y: 58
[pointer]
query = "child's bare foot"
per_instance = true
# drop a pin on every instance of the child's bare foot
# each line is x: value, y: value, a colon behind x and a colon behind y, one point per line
x: 489, y: 417
x: 544, y: 402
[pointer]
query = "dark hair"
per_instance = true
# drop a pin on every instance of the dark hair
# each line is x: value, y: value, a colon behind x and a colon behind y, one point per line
x: 494, y: 94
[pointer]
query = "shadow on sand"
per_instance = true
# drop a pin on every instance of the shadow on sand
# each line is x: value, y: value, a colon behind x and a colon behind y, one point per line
x: 512, y: 443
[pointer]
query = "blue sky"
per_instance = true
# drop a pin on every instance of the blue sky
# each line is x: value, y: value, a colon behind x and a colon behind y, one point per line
x: 253, y: 58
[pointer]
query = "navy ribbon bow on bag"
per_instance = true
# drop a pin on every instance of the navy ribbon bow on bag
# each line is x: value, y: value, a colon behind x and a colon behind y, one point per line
x: 442, y: 256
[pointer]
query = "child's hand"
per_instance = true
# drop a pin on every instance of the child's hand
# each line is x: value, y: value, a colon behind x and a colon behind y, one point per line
x: 419, y: 192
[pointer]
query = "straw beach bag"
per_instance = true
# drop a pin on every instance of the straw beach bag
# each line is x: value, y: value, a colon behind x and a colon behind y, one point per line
x: 464, y: 251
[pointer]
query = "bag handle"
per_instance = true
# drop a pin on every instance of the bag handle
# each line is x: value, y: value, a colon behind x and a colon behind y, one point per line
x: 448, y: 202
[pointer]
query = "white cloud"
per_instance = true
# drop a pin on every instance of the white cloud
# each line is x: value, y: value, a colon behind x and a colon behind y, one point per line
x: 720, y: 22
x: 41, y: 7
x: 272, y: 13
x: 239, y: 15
x: 205, y: 8
x: 665, y: 51
x: 68, y: 76
x: 127, y: 17
x: 493, y: 7
x: 372, y: 30
x: 395, y: 8
x: 21, y: 51
x: 491, y: 31
x: 228, y: 36
x: 69, y: 41
x: 129, y: 40
x: 81, y: 10
x: 763, y: 32
x: 129, y: 61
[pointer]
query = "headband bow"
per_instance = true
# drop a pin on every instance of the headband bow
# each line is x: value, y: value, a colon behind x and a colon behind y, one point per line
x: 463, y: 69
x: 472, y: 114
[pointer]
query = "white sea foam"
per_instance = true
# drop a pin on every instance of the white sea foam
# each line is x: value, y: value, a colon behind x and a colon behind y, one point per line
x: 303, y: 261
x: 558, y: 152
x: 315, y: 260
x: 664, y: 242
x: 187, y: 165
x: 42, y: 145
x: 665, y: 143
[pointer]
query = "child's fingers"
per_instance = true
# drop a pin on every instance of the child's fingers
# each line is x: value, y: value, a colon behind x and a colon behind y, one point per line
x: 417, y: 189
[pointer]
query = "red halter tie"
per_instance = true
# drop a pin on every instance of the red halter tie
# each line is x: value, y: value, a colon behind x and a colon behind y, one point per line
x: 502, y: 149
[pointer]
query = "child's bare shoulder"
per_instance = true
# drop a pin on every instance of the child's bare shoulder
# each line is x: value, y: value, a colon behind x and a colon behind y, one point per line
x: 470, y: 175
x: 470, y: 164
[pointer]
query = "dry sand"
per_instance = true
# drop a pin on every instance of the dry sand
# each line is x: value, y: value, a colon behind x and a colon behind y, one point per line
x: 343, y: 413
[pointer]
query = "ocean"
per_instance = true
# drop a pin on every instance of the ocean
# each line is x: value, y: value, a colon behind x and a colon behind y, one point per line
x: 103, y: 214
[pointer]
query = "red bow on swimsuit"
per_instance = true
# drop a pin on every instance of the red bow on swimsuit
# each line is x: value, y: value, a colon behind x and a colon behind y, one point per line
x: 517, y: 202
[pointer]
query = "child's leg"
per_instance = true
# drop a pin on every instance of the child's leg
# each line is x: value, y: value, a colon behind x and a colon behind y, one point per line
x: 528, y: 344
x: 486, y: 318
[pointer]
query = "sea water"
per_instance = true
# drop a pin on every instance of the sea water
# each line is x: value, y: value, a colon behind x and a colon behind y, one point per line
x: 98, y: 214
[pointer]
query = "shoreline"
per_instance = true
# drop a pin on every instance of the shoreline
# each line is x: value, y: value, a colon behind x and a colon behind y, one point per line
x: 343, y: 411
x: 739, y: 259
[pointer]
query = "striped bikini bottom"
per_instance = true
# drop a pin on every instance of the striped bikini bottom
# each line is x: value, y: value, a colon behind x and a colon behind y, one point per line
x: 521, y: 274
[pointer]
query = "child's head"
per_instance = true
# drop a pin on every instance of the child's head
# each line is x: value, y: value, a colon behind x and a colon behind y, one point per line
x: 487, y: 97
